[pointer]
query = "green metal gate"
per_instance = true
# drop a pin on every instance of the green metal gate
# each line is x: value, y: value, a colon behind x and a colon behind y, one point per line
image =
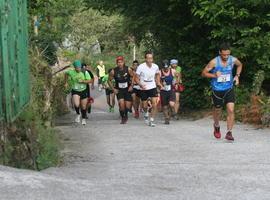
x: 14, y: 67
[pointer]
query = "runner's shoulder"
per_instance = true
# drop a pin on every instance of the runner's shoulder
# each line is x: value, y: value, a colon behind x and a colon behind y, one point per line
x: 212, y: 62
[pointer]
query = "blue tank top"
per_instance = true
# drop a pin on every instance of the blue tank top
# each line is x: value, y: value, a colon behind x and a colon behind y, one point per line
x: 167, y: 79
x: 225, y: 82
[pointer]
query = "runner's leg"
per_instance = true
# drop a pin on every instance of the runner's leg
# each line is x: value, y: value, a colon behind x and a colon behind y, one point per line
x: 76, y: 103
x: 122, y: 109
x: 230, y: 116
x: 177, y: 103
x: 112, y: 98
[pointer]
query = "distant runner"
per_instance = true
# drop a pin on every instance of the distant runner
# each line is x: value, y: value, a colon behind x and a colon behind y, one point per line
x: 110, y: 96
x: 167, y: 93
x: 177, y: 89
x: 101, y: 72
x: 87, y: 68
x: 220, y: 70
x: 123, y: 87
x: 79, y: 82
x: 136, y: 91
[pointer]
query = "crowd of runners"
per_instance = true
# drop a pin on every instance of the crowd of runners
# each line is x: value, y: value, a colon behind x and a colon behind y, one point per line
x: 144, y: 88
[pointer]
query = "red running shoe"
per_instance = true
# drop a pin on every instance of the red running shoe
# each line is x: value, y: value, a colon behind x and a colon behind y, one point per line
x: 229, y: 136
x: 217, y: 132
x: 136, y: 115
x: 124, y: 120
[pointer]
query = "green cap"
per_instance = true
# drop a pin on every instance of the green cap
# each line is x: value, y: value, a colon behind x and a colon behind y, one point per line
x: 77, y: 64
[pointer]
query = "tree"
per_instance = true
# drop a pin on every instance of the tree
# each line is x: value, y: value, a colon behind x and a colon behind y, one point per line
x: 192, y: 31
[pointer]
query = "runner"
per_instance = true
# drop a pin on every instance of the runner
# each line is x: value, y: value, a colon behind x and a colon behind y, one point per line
x: 178, y: 81
x: 79, y: 82
x: 220, y: 70
x: 136, y: 91
x: 101, y: 72
x: 167, y: 92
x: 87, y: 68
x: 123, y: 87
x: 148, y: 78
x: 110, y: 96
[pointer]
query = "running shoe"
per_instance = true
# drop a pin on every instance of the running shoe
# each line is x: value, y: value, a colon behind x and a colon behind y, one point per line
x: 229, y: 136
x: 78, y: 119
x: 167, y: 122
x: 152, y: 124
x: 84, y: 122
x: 123, y: 121
x: 217, y: 132
x: 136, y: 115
x: 112, y: 109
x: 146, y: 118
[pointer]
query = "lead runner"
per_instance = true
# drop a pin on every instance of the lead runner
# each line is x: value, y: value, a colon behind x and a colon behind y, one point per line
x: 220, y: 70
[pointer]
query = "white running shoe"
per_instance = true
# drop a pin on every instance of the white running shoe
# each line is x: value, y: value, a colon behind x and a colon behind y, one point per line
x: 146, y: 116
x: 152, y: 124
x: 78, y: 119
x: 84, y: 122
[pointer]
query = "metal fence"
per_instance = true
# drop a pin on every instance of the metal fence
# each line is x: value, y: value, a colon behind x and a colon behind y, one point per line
x: 14, y: 66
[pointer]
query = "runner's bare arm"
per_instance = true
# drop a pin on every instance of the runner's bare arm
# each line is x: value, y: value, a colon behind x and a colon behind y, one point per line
x: 111, y: 77
x: 178, y: 77
x: 131, y: 73
x: 137, y: 80
x: 158, y: 82
x: 239, y: 66
x: 206, y: 71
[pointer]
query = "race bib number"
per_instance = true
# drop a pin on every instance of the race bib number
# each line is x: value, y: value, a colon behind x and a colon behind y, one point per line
x: 123, y: 85
x: 224, y: 78
x: 167, y: 87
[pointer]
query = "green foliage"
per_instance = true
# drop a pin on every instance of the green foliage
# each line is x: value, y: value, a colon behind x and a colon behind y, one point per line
x: 107, y: 30
x: 31, y: 142
x: 53, y: 16
x: 192, y: 30
x: 48, y: 145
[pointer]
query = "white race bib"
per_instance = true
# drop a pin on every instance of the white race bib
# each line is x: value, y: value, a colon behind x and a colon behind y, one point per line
x: 167, y: 87
x: 224, y: 78
x: 123, y: 85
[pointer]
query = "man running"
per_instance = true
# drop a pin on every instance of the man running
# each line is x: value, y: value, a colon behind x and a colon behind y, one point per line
x: 148, y: 78
x: 79, y: 82
x: 178, y: 81
x: 136, y: 91
x: 101, y: 72
x: 220, y: 70
x: 167, y: 92
x: 123, y: 87
x: 110, y: 96
x: 87, y: 68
